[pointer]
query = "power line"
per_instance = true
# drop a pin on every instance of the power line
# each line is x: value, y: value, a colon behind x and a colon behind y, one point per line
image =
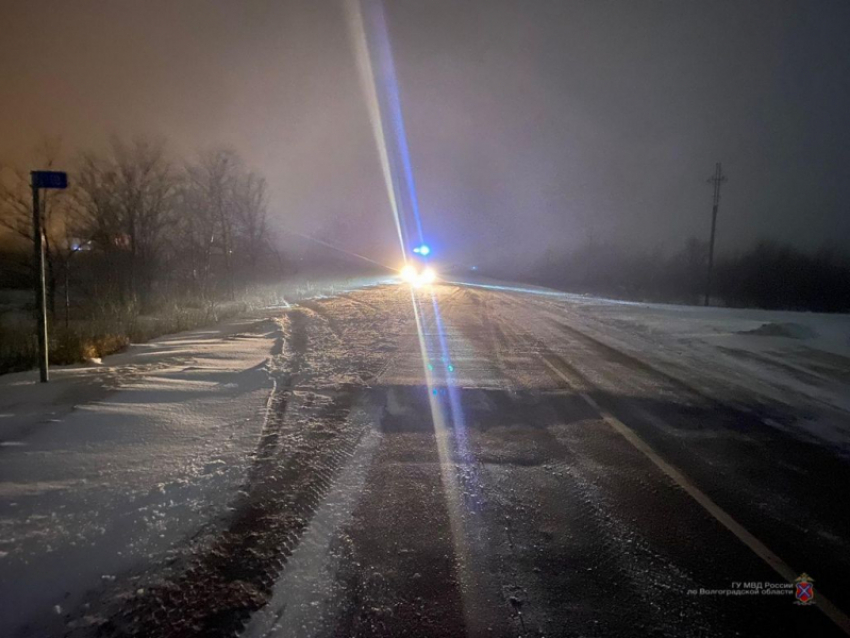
x: 336, y: 248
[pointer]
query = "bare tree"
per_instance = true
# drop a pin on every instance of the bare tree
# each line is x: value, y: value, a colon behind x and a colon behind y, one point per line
x: 142, y: 225
x: 212, y: 182
x: 251, y: 206
x: 127, y: 199
x: 59, y: 220
x: 194, y: 241
x: 145, y: 188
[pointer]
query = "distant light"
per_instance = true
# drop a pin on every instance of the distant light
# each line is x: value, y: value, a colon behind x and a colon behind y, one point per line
x: 412, y: 275
x: 422, y: 250
x: 408, y: 273
x: 451, y: 368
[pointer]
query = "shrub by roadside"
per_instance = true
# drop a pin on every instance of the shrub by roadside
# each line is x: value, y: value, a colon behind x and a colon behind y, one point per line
x: 108, y: 330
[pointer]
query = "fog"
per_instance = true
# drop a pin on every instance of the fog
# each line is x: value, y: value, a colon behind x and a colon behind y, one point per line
x: 531, y: 124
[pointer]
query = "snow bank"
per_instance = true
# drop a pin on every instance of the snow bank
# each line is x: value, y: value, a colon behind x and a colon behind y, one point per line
x: 791, y: 330
x: 108, y: 466
x: 799, y: 360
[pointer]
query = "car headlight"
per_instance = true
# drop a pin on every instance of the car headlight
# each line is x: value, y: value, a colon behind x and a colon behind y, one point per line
x: 409, y: 274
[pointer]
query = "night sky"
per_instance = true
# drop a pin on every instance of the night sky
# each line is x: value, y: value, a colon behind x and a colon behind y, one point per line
x: 531, y: 123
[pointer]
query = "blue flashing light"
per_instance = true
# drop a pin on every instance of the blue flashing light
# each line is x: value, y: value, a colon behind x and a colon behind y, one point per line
x: 422, y: 250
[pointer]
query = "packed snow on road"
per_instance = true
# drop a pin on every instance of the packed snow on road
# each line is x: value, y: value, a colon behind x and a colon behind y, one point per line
x: 438, y: 459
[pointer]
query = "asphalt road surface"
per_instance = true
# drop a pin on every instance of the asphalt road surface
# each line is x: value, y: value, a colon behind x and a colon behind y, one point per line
x: 463, y: 461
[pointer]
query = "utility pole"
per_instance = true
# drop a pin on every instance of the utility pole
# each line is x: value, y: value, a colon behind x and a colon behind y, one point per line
x: 717, y: 179
x: 42, y: 179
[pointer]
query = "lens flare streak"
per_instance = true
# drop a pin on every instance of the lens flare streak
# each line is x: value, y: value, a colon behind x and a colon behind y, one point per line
x: 457, y: 463
x: 368, y: 28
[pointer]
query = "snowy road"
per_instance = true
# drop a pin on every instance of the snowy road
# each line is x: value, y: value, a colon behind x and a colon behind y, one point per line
x: 476, y: 460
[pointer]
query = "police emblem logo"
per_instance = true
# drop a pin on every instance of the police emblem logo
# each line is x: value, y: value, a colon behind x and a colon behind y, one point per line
x: 804, y: 590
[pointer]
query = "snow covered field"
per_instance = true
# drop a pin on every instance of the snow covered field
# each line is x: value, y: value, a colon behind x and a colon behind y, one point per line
x: 107, y: 466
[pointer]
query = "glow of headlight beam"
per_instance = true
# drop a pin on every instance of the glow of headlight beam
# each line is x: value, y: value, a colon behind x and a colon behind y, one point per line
x: 428, y: 276
x: 374, y: 53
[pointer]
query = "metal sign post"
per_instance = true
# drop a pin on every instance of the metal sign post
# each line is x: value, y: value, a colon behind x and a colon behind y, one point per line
x: 42, y: 179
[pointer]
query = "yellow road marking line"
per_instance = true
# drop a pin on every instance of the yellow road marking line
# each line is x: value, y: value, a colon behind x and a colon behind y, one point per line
x: 781, y: 567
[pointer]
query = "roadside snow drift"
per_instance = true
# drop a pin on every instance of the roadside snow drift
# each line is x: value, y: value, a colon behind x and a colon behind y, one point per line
x: 107, y: 467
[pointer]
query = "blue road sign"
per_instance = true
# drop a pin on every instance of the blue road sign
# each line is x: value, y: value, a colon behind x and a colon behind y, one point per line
x: 49, y: 179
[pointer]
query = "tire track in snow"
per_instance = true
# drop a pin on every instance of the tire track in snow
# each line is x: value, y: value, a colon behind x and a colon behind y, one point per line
x: 307, y: 439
